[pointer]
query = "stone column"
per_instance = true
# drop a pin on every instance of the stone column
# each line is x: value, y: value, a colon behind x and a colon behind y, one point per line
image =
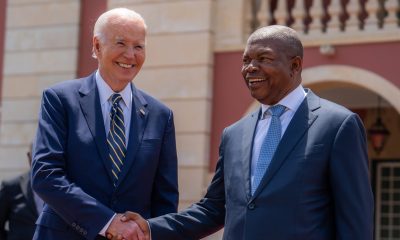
x: 40, y: 50
x: 178, y: 71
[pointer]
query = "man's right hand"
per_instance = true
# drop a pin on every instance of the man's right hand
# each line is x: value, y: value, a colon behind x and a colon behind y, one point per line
x: 125, y: 229
x: 141, y: 222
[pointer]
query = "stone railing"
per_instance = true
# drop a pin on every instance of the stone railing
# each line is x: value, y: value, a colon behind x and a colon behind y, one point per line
x: 328, y: 21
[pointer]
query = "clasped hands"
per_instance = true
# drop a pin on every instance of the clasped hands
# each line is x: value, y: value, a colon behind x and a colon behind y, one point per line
x: 128, y: 226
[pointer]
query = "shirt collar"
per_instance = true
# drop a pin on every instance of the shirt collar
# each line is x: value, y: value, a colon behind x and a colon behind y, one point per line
x: 291, y: 101
x: 105, y: 91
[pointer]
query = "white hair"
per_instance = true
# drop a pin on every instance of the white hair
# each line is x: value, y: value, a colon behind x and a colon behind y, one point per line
x: 106, y: 17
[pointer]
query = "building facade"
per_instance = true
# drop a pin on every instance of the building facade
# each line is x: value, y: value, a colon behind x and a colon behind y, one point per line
x: 194, y: 50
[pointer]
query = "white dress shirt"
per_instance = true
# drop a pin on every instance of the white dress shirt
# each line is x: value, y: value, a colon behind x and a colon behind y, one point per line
x: 105, y: 93
x: 292, y: 102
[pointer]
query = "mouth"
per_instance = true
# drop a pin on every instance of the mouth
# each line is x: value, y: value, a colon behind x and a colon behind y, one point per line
x: 126, y: 66
x: 254, y: 82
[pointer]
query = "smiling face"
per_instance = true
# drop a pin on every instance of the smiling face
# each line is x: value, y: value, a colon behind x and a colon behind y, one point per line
x: 120, y: 50
x: 270, y: 69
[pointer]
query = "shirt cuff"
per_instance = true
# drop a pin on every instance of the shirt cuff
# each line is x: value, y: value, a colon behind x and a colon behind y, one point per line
x: 148, y: 224
x: 103, y: 231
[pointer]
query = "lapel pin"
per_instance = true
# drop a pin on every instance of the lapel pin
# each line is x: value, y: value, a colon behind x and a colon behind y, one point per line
x: 142, y: 112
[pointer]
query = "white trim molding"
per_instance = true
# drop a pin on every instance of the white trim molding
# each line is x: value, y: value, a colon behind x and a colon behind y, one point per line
x: 351, y: 75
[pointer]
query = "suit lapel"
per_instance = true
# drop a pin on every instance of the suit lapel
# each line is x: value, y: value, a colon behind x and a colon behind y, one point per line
x: 247, y: 144
x: 89, y: 101
x: 301, y: 121
x: 139, y: 118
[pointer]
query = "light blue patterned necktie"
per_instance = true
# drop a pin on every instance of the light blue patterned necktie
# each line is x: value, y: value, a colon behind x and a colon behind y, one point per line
x: 269, y: 145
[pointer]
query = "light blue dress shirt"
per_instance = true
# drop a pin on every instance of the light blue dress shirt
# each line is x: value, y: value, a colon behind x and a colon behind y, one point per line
x: 105, y: 93
x: 292, y: 102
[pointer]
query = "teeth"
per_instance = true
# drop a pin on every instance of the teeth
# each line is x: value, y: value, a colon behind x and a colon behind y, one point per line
x: 125, y: 65
x: 256, y: 80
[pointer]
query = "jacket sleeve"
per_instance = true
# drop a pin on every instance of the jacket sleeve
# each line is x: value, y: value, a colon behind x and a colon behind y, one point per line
x: 165, y: 193
x: 199, y: 220
x: 350, y: 184
x: 49, y: 180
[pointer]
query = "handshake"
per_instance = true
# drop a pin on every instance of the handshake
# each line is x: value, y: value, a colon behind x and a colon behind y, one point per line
x: 128, y: 226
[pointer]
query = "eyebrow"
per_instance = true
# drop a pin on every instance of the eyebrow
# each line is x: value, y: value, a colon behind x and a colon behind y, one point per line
x: 265, y: 52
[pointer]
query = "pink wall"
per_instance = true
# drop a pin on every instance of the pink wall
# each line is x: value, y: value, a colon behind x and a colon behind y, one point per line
x: 90, y: 11
x: 381, y: 58
x: 231, y: 98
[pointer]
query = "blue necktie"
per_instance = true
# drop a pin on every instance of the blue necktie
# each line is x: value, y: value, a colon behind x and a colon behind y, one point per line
x: 116, y: 137
x: 269, y: 145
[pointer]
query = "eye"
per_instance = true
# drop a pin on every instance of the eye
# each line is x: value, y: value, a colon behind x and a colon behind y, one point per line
x: 139, y: 47
x: 120, y: 43
x: 246, y: 60
x: 265, y: 59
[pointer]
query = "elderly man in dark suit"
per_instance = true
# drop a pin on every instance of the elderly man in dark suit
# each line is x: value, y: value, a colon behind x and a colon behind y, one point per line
x: 19, y: 207
x: 295, y: 169
x: 103, y: 146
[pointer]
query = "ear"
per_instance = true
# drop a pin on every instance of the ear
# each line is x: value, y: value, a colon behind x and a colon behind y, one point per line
x: 296, y: 65
x: 96, y: 46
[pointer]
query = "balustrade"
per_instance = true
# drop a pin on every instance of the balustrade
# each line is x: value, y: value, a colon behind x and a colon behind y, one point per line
x: 325, y: 18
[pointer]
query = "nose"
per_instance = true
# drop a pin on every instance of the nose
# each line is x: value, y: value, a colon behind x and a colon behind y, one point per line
x: 130, y: 52
x: 252, y: 66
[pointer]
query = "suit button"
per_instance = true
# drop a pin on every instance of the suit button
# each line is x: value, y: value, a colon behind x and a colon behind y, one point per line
x: 73, y: 224
x: 251, y: 206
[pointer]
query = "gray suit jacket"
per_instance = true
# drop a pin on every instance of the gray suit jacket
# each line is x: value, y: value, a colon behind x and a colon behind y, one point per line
x: 316, y: 187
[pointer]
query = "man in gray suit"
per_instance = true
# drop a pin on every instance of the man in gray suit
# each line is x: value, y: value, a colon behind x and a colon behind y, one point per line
x: 297, y: 168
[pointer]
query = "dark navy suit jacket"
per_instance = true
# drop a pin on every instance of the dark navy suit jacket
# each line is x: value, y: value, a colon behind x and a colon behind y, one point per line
x: 71, y: 168
x: 316, y: 187
x: 17, y: 207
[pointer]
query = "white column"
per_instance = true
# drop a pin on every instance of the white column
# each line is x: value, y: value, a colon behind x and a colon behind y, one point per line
x: 298, y: 14
x: 334, y: 10
x: 371, y: 22
x: 352, y: 24
x: 391, y: 19
x: 281, y: 12
x: 249, y: 17
x: 41, y: 47
x: 316, y: 12
x: 178, y: 71
x: 263, y: 15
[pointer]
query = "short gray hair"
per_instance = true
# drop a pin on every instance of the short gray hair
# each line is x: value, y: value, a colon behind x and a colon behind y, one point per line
x: 105, y: 18
x: 283, y: 34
